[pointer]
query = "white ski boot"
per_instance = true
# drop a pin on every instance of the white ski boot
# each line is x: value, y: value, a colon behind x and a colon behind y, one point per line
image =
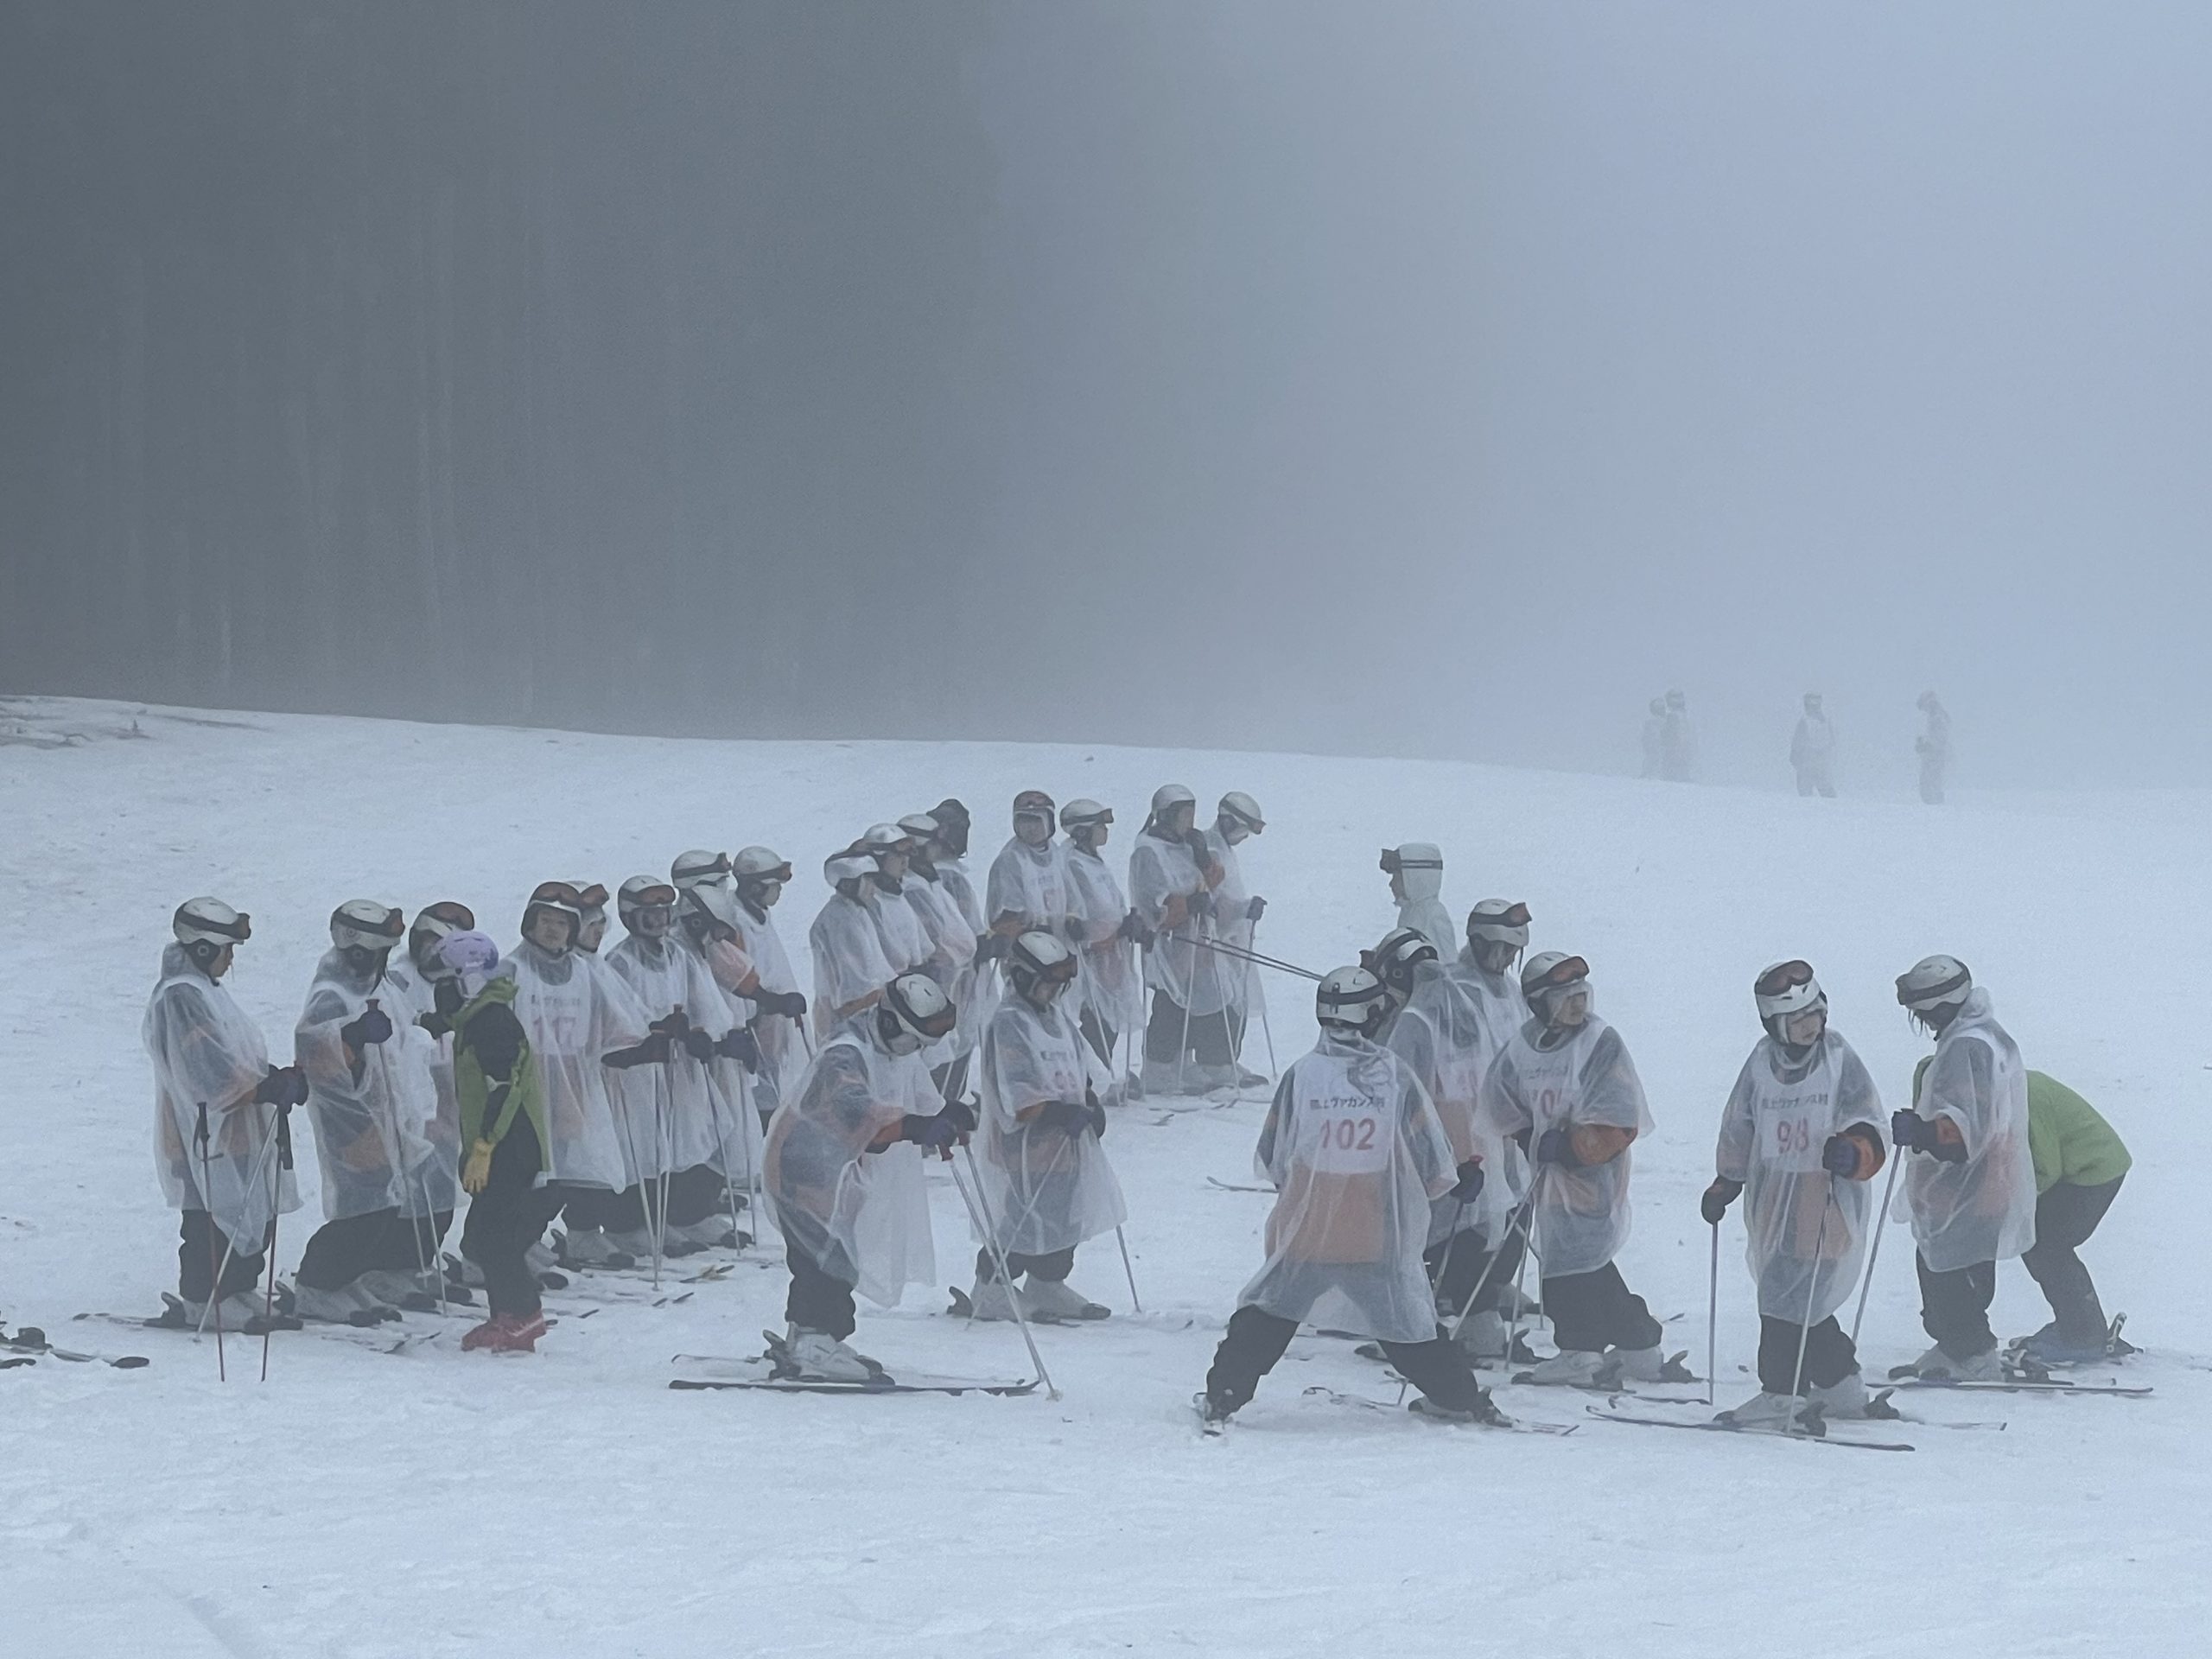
x: 1483, y: 1336
x: 1158, y: 1077
x: 1637, y: 1364
x: 239, y: 1309
x: 356, y: 1303
x: 714, y: 1232
x: 1051, y: 1299
x: 1764, y: 1410
x: 1937, y: 1366
x: 637, y: 1241
x: 394, y: 1289
x: 993, y: 1301
x: 821, y: 1358
x: 589, y: 1247
x: 1573, y: 1368
x: 1841, y: 1400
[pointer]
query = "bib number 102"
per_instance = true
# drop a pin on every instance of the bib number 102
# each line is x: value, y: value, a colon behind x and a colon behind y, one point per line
x: 1348, y: 1135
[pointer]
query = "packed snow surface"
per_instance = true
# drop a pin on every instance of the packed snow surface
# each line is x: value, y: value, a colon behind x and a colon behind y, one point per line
x: 429, y: 1503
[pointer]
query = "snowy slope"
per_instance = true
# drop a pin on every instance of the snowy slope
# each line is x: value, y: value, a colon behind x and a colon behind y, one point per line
x: 362, y: 1505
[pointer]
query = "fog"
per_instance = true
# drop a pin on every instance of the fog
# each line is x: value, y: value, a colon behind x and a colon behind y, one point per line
x: 1391, y: 379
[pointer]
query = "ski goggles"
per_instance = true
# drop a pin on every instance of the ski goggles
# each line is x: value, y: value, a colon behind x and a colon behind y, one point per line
x: 687, y: 874
x: 1515, y: 915
x: 390, y: 925
x: 1782, y: 977
x: 660, y: 896
x: 1392, y: 863
x: 781, y: 873
x: 1566, y: 971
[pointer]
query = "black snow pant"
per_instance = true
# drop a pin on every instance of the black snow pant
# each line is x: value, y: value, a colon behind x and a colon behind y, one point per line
x: 1829, y: 1356
x: 1954, y: 1307
x: 509, y: 1215
x: 342, y: 1251
x: 817, y: 1302
x: 200, y: 1246
x: 2065, y: 1217
x: 1051, y: 1270
x: 951, y: 1077
x: 694, y: 1194
x: 1256, y: 1340
x: 1101, y: 1036
x: 1163, y: 1034
x: 1593, y: 1311
x: 1459, y: 1264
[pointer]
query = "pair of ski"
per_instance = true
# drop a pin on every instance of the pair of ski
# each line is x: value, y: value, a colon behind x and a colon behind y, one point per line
x: 29, y: 1345
x: 777, y: 1372
x: 1811, y: 1428
x: 1417, y: 1407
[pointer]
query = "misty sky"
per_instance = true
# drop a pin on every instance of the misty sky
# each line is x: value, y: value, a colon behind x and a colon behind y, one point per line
x: 1400, y: 377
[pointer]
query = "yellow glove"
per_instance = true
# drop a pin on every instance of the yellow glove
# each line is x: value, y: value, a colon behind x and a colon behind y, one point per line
x: 478, y: 1173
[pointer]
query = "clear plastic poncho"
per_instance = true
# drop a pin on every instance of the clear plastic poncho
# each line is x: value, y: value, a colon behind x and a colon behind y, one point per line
x: 1109, y: 983
x: 1983, y: 1210
x: 1032, y: 883
x: 674, y: 1116
x: 1581, y: 1213
x: 782, y: 1045
x: 372, y: 1132
x: 1422, y: 908
x: 414, y: 992
x: 205, y: 1049
x: 1805, y: 1229
x: 1046, y: 1189
x: 978, y: 995
x: 862, y: 1217
x: 1192, y: 976
x: 1356, y: 1155
x: 952, y: 960
x: 574, y: 1010
x: 901, y: 931
x: 1448, y: 1034
x: 1232, y: 898
x: 848, y: 961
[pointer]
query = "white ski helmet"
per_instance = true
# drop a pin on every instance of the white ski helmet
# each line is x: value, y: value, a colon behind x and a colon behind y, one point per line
x: 1412, y: 856
x: 1499, y: 921
x: 1934, y: 982
x: 1550, y: 975
x: 762, y: 874
x: 922, y: 827
x: 1351, y: 999
x: 1038, y: 958
x: 1035, y: 806
x: 560, y: 898
x: 1786, y: 987
x: 699, y: 868
x: 1393, y: 961
x: 1083, y: 813
x: 915, y: 1010
x: 1168, y: 797
x: 212, y: 922
x: 643, y: 893
x: 434, y: 925
x: 882, y: 841
x: 1237, y: 807
x: 365, y: 925
x: 851, y: 864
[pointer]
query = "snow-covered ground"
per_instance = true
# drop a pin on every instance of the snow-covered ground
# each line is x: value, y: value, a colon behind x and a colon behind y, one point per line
x: 430, y: 1502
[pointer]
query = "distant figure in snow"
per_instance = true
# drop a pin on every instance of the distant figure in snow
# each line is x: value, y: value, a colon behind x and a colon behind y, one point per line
x: 1111, y: 984
x: 1416, y: 873
x: 1677, y: 741
x: 1934, y: 747
x: 1172, y: 875
x: 1237, y: 913
x: 1654, y: 737
x: 1812, y: 750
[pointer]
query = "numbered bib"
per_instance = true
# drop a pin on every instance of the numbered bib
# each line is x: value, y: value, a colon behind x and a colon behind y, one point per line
x: 1792, y: 1120
x: 1341, y: 1129
x: 558, y: 1016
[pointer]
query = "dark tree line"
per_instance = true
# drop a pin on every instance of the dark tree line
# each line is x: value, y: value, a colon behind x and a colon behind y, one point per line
x: 546, y: 361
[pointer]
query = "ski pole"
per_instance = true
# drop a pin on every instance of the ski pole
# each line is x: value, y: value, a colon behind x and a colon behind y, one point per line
x: 1121, y: 1238
x: 215, y: 1283
x: 1190, y: 996
x: 1006, y: 1274
x: 252, y: 1182
x: 410, y: 1191
x: 721, y: 1140
x: 276, y: 1214
x: 1805, y: 1327
x: 1712, y: 1313
x: 1520, y: 1271
x: 1516, y: 1222
x: 1874, y: 1252
x: 1258, y: 989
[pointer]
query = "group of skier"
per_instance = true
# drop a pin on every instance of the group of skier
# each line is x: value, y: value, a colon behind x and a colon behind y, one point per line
x: 1670, y: 750
x: 1463, y: 1109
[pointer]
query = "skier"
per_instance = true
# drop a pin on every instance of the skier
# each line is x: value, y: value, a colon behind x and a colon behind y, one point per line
x: 940, y: 840
x: 509, y: 1165
x: 373, y: 1102
x: 1237, y: 914
x: 1028, y: 888
x: 581, y: 1022
x: 1655, y: 738
x: 413, y: 978
x: 1356, y: 1155
x: 1970, y: 1177
x: 778, y: 1010
x: 900, y: 928
x: 2080, y: 1162
x: 849, y: 968
x: 1801, y: 1135
x: 1678, y: 741
x: 1173, y: 876
x: 1047, y: 1184
x: 950, y: 857
x: 216, y: 1103
x: 1933, y: 745
x: 677, y: 1127
x: 1416, y: 873
x: 710, y: 916
x: 843, y: 1230
x: 1111, y: 985
x: 1564, y: 1088
x: 1812, y: 750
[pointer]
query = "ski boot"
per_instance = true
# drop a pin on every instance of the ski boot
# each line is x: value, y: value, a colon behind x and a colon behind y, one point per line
x: 1051, y: 1299
x: 818, y: 1356
x: 351, y: 1303
x: 992, y: 1300
x: 1937, y: 1366
x: 2049, y: 1347
x: 506, y: 1333
x: 1650, y: 1365
x: 1571, y: 1368
x: 589, y: 1247
x: 1485, y: 1412
x: 1765, y: 1409
x: 1848, y: 1398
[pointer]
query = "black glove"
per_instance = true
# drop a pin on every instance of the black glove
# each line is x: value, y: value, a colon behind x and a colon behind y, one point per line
x: 1469, y: 1186
x: 1910, y: 1131
x: 1839, y: 1154
x: 1256, y: 909
x: 739, y: 1044
x: 1131, y: 928
x: 698, y: 1044
x: 1714, y: 1203
x: 1556, y: 1148
x: 373, y: 1027
x: 1199, y: 903
x: 650, y: 1051
x: 1077, y: 930
x: 1097, y: 1114
x: 1066, y: 1115
x: 284, y: 1086
x: 939, y: 1133
x: 991, y: 946
x: 496, y: 1039
x: 445, y: 997
x: 961, y: 1115
x: 789, y: 1004
x: 1195, y: 839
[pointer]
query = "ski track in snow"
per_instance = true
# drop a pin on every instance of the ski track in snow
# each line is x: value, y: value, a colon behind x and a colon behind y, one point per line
x: 431, y: 1503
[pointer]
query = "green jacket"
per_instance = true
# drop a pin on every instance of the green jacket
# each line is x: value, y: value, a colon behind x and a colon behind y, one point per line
x: 2068, y: 1138
x: 476, y: 1092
